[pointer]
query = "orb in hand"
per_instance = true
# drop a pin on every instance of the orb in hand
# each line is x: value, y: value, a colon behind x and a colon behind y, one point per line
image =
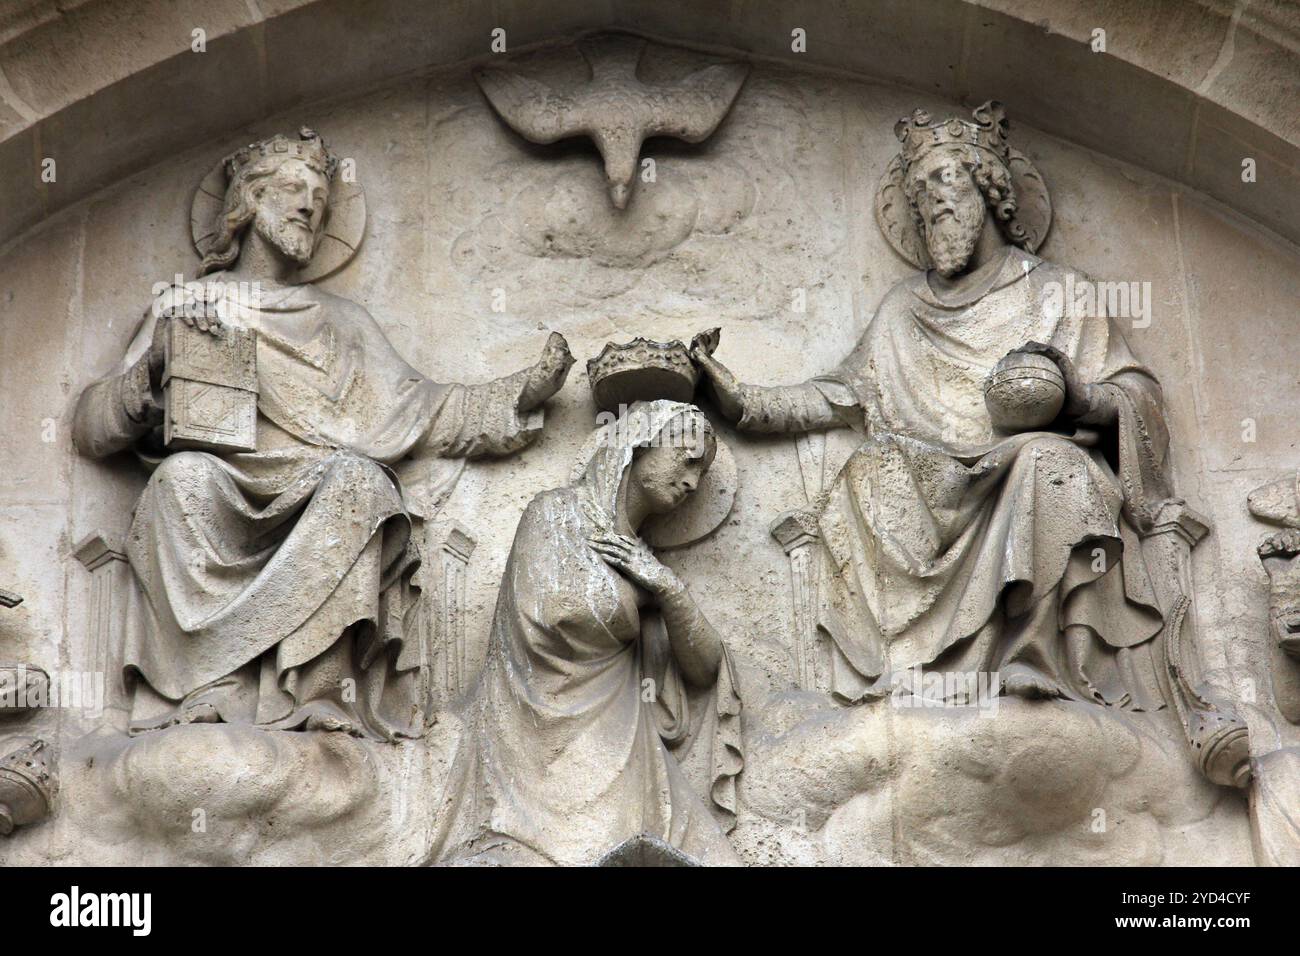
x: 1024, y: 391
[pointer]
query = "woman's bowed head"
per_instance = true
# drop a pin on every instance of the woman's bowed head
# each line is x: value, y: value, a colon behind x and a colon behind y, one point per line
x: 668, y: 462
x: 565, y: 757
x: 666, y: 466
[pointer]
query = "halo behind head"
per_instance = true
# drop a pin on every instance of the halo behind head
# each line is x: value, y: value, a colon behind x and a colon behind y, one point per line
x: 345, y: 217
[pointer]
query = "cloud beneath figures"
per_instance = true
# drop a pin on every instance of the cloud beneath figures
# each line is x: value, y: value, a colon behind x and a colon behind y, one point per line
x: 691, y: 242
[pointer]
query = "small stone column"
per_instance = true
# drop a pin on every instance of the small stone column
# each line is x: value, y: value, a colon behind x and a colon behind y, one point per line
x: 799, y: 537
x: 110, y: 576
x: 450, y: 547
x: 1218, y: 737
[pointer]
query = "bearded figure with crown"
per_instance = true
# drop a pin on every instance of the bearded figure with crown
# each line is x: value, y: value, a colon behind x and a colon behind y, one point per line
x: 273, y: 585
x: 1013, y: 459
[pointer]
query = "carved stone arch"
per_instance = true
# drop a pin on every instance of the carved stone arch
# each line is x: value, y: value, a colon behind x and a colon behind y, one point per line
x: 1187, y: 103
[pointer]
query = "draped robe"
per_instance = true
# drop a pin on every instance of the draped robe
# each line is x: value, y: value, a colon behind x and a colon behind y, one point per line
x: 275, y: 586
x: 952, y: 547
x: 562, y: 757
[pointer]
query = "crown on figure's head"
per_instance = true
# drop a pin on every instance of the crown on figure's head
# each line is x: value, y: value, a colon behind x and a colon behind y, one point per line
x: 920, y: 134
x: 308, y: 147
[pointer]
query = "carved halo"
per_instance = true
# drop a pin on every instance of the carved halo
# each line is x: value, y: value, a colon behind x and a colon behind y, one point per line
x: 896, y: 220
x: 345, y: 223
x: 695, y: 518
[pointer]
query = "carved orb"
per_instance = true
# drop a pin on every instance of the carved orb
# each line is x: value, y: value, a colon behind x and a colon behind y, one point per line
x: 1024, y: 391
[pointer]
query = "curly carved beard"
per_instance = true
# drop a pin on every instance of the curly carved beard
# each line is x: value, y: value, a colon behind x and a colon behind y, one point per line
x: 290, y: 240
x: 951, y: 240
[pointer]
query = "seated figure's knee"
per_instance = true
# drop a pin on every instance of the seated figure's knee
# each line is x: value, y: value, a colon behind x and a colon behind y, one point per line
x: 181, y: 467
x: 357, y: 471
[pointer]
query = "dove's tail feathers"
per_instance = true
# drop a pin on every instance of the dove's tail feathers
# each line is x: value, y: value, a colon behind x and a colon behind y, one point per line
x: 620, y: 148
x: 705, y: 97
x: 612, y: 54
x: 532, y: 109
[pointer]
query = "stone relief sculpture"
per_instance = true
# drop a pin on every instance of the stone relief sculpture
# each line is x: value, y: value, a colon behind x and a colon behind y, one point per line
x: 642, y: 370
x: 27, y: 786
x: 608, y: 708
x: 1279, y: 552
x: 28, y: 782
x: 615, y: 108
x: 274, y: 583
x: 993, y: 520
x: 1278, y: 503
x: 1275, y: 795
x: 293, y: 608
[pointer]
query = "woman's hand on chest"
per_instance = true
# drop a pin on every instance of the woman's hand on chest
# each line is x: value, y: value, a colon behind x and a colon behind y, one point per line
x: 633, y: 558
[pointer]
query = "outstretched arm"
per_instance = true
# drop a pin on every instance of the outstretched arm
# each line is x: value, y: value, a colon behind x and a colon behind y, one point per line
x: 808, y: 406
x: 504, y: 415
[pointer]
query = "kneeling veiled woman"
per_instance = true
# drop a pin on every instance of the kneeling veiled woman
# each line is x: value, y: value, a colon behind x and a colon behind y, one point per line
x: 606, y: 691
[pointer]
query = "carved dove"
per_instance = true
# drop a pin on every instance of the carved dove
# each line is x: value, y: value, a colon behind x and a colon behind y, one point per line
x: 614, y: 107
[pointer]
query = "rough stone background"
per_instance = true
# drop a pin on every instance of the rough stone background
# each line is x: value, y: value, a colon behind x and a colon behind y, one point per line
x: 780, y: 198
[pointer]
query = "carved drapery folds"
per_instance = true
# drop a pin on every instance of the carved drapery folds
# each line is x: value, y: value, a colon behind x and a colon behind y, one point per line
x: 908, y: 558
x: 1278, y: 503
x: 277, y: 417
x: 1003, y: 509
x: 1280, y: 554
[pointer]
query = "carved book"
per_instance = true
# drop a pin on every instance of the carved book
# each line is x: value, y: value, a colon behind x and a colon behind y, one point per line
x: 210, y: 389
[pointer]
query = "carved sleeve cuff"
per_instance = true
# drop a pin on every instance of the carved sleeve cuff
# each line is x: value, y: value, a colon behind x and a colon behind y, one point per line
x: 490, y: 420
x: 139, y: 401
x: 818, y: 403
x: 116, y: 412
x: 1103, y: 405
x: 681, y: 615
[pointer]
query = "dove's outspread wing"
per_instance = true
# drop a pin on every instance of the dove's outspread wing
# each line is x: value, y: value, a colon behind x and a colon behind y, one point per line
x: 615, y: 108
x: 532, y: 109
x: 693, y: 109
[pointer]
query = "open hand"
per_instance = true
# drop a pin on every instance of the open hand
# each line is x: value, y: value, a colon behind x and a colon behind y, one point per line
x: 547, y: 376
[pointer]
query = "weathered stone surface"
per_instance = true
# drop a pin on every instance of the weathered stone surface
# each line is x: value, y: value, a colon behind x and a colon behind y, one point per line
x: 476, y: 241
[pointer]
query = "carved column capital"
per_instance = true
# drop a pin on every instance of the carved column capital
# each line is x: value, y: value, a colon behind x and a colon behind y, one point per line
x: 96, y: 549
x: 1175, y: 516
x: 795, y: 529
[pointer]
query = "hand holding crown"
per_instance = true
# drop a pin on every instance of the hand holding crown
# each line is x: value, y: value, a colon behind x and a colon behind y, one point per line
x: 725, y: 386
